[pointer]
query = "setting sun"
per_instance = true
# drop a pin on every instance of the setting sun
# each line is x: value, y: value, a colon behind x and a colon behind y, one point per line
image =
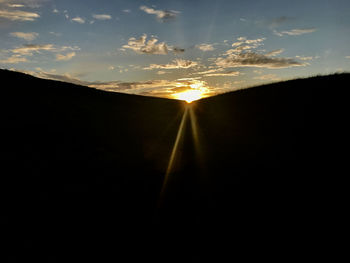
x: 189, y: 95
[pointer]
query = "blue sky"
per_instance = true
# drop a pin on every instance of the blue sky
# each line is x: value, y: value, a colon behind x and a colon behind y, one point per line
x: 161, y: 48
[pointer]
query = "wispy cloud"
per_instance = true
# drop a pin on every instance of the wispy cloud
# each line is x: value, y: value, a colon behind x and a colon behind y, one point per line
x: 295, y: 32
x: 275, y: 52
x: 66, y: 15
x: 18, y: 15
x: 176, y: 64
x: 162, y: 72
x: 243, y: 40
x: 243, y: 55
x: 59, y: 77
x: 244, y: 44
x: 55, y: 34
x: 11, y: 10
x: 304, y: 58
x: 22, y: 3
x: 150, y: 47
x: 66, y: 57
x: 178, y: 50
x: 159, y: 88
x: 224, y: 74
x: 78, y: 20
x: 102, y: 16
x: 205, y: 47
x: 14, y: 5
x: 162, y: 15
x: 218, y: 72
x: 209, y: 71
x: 26, y: 36
x: 21, y: 54
x: 29, y: 49
x: 14, y: 59
x: 270, y: 77
x: 32, y: 48
x: 252, y: 59
x: 278, y: 21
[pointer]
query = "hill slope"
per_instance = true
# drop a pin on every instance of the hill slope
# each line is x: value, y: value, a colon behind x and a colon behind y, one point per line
x: 80, y: 165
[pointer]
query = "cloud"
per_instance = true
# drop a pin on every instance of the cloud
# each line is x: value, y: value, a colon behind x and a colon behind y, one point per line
x: 55, y: 34
x: 102, y: 17
x: 26, y: 36
x: 150, y: 47
x: 162, y: 72
x: 68, y: 56
x: 178, y: 50
x: 159, y: 88
x: 205, y: 47
x: 224, y: 74
x: 15, y: 5
x: 254, y: 41
x: 244, y: 40
x: 14, y: 59
x: 294, y: 32
x: 278, y: 21
x: 18, y: 15
x: 243, y: 56
x: 252, y: 59
x: 245, y: 44
x: 78, y: 20
x: 347, y: 57
x: 258, y: 71
x: 126, y: 10
x: 275, y: 52
x: 306, y: 58
x: 32, y: 48
x: 271, y: 77
x: 22, y: 3
x: 210, y: 71
x: 218, y: 72
x: 176, y: 64
x: 162, y: 15
x: 20, y: 54
x: 64, y: 77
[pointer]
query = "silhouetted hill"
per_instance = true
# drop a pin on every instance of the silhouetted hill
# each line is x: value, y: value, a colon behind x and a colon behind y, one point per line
x: 82, y: 170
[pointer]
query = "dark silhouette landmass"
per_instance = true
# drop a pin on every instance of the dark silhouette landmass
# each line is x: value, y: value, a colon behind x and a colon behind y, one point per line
x: 82, y: 171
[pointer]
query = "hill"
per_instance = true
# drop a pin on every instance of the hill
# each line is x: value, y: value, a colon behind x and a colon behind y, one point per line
x: 83, y: 169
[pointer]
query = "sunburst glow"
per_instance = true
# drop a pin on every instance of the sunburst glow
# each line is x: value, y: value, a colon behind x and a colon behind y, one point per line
x: 189, y: 95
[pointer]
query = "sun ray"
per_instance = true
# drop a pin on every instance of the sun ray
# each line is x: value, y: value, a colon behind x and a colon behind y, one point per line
x: 194, y: 127
x: 179, y: 135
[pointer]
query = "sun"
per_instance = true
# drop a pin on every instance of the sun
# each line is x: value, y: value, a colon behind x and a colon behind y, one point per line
x: 189, y: 95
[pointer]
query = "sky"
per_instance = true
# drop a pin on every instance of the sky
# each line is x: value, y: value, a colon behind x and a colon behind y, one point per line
x: 165, y: 48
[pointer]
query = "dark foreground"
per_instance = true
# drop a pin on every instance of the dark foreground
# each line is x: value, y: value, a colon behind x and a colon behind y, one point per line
x: 259, y: 173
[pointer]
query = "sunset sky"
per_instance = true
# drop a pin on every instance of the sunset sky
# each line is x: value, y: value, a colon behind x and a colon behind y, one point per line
x: 160, y: 48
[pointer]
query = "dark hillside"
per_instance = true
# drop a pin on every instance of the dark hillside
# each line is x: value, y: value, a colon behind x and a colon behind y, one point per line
x: 285, y: 144
x: 82, y: 171
x: 78, y: 162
